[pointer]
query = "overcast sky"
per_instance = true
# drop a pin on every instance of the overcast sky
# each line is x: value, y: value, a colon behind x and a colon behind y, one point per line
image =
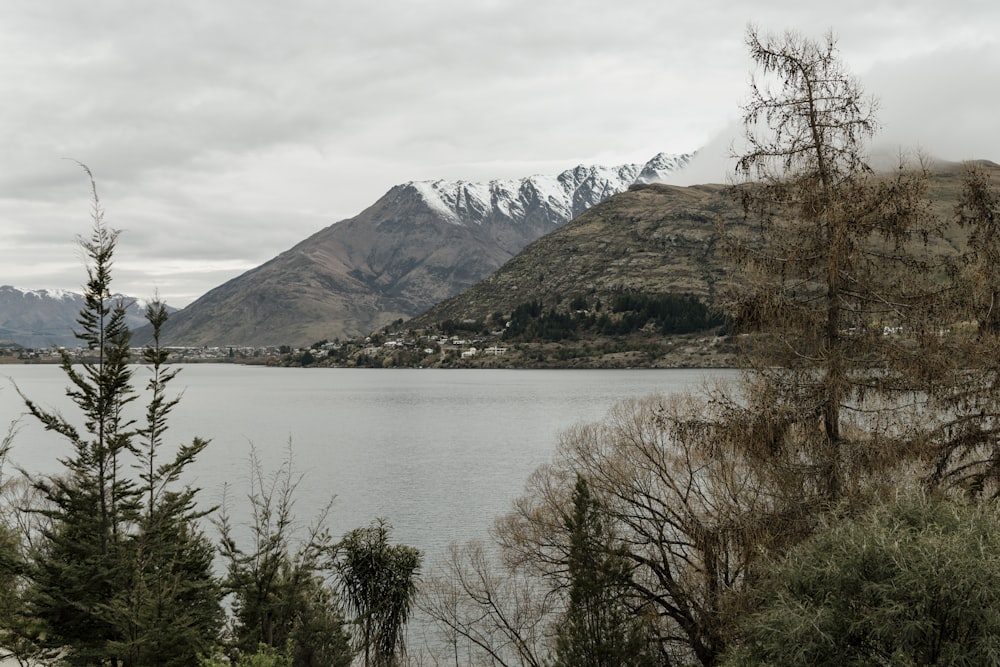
x: 222, y: 132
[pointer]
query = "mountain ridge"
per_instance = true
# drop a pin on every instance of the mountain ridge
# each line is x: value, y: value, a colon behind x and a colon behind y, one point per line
x: 420, y: 243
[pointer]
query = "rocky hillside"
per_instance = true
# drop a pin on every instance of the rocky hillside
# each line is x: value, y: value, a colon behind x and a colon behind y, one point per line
x: 419, y: 244
x: 656, y: 239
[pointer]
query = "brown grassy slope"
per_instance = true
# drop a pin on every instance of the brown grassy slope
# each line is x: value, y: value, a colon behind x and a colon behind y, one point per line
x: 395, y: 259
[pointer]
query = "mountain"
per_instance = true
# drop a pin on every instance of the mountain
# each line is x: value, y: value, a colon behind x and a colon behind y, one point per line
x: 422, y: 242
x: 46, y: 318
x: 652, y: 239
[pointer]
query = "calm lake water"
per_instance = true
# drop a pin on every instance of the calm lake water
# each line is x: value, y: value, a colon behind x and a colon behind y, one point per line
x: 437, y: 453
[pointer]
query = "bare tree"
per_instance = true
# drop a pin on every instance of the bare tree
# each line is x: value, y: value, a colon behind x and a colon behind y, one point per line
x: 489, y: 612
x: 691, y: 514
x: 832, y: 272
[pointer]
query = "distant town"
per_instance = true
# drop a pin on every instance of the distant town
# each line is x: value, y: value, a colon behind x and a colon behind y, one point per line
x: 420, y: 348
x: 360, y: 352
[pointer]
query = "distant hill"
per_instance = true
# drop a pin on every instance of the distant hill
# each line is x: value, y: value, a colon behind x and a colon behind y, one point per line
x: 422, y: 242
x: 47, y: 318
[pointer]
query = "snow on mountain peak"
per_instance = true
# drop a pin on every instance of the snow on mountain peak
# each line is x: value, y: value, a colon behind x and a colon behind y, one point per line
x: 57, y: 294
x: 661, y: 166
x: 561, y: 197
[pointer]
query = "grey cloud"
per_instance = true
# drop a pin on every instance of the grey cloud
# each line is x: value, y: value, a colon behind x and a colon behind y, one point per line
x: 943, y: 103
x: 223, y: 132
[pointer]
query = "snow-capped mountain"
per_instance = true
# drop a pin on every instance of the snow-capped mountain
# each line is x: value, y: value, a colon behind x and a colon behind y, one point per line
x: 419, y: 244
x: 564, y: 196
x: 46, y: 318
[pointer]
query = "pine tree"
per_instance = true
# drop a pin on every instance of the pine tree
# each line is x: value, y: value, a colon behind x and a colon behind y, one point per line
x: 598, y: 629
x: 122, y: 576
x: 83, y: 563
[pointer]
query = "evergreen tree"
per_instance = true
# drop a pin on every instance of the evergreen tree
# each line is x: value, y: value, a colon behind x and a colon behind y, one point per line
x: 915, y: 582
x: 122, y: 575
x: 83, y: 564
x: 318, y: 637
x: 12, y: 621
x: 598, y: 629
x: 17, y: 632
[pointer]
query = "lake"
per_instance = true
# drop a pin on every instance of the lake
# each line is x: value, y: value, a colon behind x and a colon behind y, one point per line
x: 437, y: 453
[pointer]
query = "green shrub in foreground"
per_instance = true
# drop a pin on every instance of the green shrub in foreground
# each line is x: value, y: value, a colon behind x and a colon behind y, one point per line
x: 917, y: 582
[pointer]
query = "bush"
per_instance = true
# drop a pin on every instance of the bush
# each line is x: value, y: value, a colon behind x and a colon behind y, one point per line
x: 917, y: 582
